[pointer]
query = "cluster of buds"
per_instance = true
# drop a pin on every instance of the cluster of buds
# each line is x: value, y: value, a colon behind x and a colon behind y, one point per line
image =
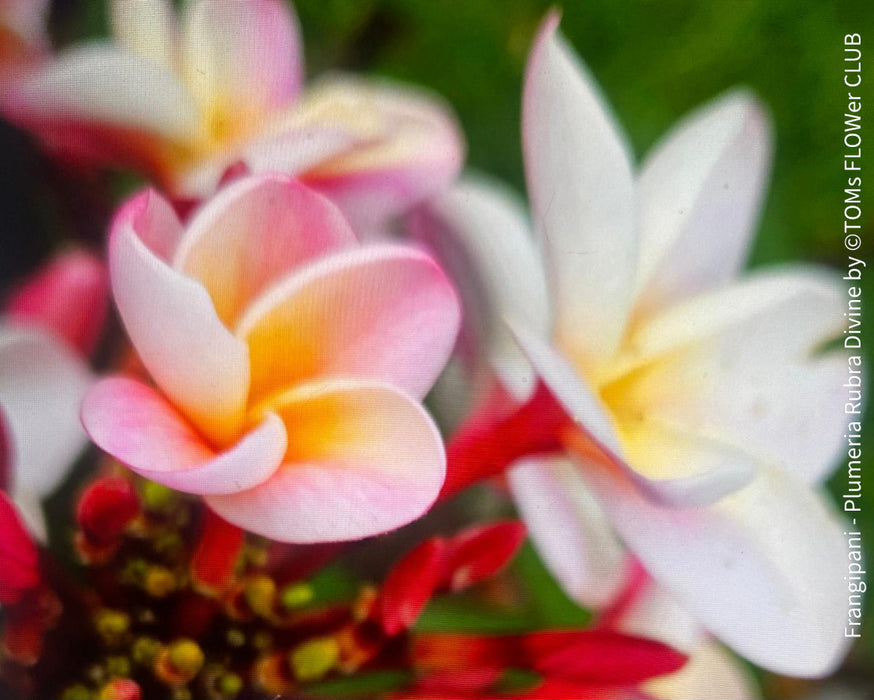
x: 181, y: 604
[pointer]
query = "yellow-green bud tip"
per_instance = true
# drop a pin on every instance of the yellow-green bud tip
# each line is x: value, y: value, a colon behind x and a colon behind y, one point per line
x: 296, y: 595
x: 186, y: 657
x: 311, y: 660
x: 260, y: 593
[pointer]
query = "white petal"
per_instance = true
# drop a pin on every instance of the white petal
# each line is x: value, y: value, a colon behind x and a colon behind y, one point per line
x: 146, y: 27
x: 763, y: 570
x: 480, y: 233
x: 582, y: 193
x: 105, y: 84
x: 41, y: 386
x: 755, y: 383
x: 711, y: 673
x: 695, y: 485
x: 700, y: 193
x: 569, y: 529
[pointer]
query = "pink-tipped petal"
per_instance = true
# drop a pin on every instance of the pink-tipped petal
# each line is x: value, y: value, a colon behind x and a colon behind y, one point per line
x: 173, y: 325
x: 363, y: 458
x: 135, y: 424
x: 41, y: 384
x: 409, y: 147
x: 291, y: 150
x: 103, y: 85
x: 693, y: 484
x: 580, y: 183
x: 569, y: 529
x: 68, y: 297
x: 26, y: 19
x: 382, y: 312
x: 242, y: 55
x: 752, y: 553
x: 700, y: 193
x: 254, y: 231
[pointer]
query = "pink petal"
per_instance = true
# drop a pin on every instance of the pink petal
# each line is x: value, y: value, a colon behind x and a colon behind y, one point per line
x: 139, y: 427
x: 410, y: 147
x: 381, y: 312
x: 68, y: 297
x: 244, y: 56
x: 578, y: 170
x: 41, y: 385
x: 199, y: 365
x: 700, y: 193
x: 253, y: 232
x: 291, y: 151
x: 363, y: 458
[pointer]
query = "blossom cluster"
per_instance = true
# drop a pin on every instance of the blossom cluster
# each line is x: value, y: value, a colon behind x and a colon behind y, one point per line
x: 304, y: 266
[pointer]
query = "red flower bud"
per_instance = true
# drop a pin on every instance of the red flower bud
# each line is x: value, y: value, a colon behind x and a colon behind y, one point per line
x: 218, y: 549
x: 410, y: 585
x: 480, y: 552
x: 106, y: 508
x: 19, y: 562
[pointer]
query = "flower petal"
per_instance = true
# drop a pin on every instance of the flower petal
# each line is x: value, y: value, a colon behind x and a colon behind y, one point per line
x: 700, y: 193
x: 171, y: 320
x: 756, y: 381
x: 408, y: 147
x: 464, y: 226
x: 752, y: 553
x: 792, y: 310
x: 254, y: 231
x: 67, y: 297
x: 687, y: 488
x: 569, y: 529
x: 291, y: 152
x: 242, y: 56
x: 41, y: 385
x: 363, y: 458
x: 582, y: 193
x: 147, y: 28
x: 135, y: 424
x: 381, y: 312
x: 106, y: 86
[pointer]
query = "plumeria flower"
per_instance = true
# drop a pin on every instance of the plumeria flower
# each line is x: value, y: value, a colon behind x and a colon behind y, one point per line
x: 289, y: 362
x: 23, y: 39
x: 185, y: 97
x: 50, y: 324
x: 699, y: 412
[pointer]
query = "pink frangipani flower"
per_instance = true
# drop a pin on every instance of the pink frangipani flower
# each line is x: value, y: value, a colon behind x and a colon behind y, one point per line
x: 289, y: 362
x: 185, y: 97
x: 706, y: 414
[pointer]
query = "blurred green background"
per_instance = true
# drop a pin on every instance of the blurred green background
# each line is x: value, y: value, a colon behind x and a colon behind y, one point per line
x: 654, y: 60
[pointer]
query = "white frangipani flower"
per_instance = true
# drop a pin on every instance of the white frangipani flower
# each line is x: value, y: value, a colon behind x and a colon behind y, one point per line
x: 713, y: 412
